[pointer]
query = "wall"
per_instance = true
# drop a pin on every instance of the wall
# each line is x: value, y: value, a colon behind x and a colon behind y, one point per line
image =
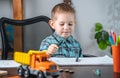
x: 88, y: 13
x: 32, y: 10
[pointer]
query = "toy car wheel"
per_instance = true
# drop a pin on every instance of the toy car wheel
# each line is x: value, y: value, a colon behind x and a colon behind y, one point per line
x: 20, y: 71
x: 26, y: 73
x: 40, y: 75
x: 56, y: 76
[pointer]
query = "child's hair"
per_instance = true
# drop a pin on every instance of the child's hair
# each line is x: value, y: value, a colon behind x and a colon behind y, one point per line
x: 62, y: 8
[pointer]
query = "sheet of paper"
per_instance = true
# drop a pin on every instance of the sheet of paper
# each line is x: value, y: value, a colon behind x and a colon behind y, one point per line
x: 104, y: 60
x: 8, y: 64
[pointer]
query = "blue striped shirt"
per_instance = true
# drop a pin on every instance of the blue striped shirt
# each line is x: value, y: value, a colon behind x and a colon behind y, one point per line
x: 67, y: 47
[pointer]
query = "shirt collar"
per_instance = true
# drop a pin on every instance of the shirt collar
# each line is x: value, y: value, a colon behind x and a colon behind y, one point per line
x: 59, y: 38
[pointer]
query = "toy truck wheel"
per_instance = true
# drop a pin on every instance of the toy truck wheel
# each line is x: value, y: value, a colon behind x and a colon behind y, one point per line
x: 56, y: 76
x: 26, y: 73
x: 40, y: 75
x: 20, y: 71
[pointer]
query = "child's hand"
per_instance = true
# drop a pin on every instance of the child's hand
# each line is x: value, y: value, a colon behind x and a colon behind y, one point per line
x: 52, y: 49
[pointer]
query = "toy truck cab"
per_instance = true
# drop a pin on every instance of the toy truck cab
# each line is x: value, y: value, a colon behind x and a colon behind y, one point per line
x: 36, y: 63
x: 40, y: 62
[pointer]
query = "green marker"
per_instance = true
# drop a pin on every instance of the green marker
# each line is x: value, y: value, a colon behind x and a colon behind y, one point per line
x: 118, y: 40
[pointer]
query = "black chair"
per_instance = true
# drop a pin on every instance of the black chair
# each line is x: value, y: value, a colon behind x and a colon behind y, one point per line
x: 6, y: 47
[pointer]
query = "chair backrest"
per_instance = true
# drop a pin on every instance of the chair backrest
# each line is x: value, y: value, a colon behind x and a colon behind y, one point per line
x: 6, y: 46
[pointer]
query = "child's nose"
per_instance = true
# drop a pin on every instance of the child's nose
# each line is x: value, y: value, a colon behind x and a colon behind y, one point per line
x: 66, y: 27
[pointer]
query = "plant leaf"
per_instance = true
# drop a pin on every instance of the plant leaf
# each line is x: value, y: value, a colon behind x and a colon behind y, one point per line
x: 105, y: 35
x: 98, y: 27
x: 108, y: 43
x: 102, y: 45
x: 98, y: 35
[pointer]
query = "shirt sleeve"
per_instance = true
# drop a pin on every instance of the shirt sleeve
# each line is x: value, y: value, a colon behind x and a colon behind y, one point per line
x: 44, y: 45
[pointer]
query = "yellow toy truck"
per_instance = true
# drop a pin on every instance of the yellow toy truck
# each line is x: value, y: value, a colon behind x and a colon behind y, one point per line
x: 36, y: 63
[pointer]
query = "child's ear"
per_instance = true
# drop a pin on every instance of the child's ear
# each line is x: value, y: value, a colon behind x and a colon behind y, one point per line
x: 51, y: 23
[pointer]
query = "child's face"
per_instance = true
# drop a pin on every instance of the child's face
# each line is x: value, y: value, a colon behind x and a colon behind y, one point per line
x: 64, y: 24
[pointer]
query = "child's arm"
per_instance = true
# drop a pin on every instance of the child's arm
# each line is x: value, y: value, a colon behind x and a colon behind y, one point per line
x: 52, y: 49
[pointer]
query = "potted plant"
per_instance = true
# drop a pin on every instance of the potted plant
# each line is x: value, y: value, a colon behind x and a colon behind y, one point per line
x: 101, y: 36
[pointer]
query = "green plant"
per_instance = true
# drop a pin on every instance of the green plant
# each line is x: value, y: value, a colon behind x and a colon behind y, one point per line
x: 101, y: 36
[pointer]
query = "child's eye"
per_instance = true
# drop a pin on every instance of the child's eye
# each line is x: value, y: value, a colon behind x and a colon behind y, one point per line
x: 61, y: 24
x: 70, y: 24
